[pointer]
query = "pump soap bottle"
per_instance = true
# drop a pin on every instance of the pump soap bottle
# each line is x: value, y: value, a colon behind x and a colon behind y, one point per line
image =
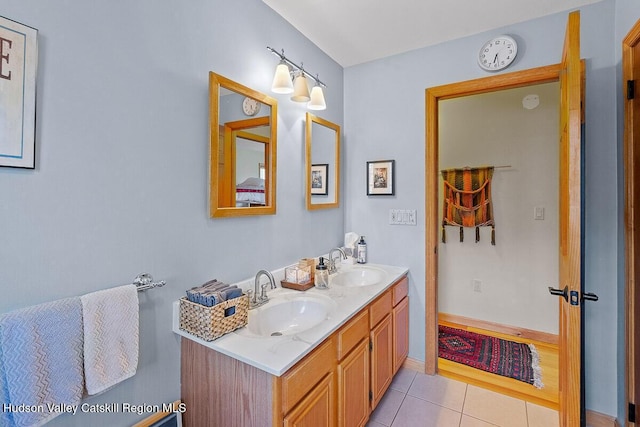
x: 322, y: 275
x: 362, y: 251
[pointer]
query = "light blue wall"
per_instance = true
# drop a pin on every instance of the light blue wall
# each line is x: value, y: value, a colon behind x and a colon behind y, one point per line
x: 120, y: 185
x: 384, y: 119
x: 121, y: 180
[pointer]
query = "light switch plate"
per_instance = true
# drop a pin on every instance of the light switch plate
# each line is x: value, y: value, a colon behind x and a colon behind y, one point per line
x: 402, y: 217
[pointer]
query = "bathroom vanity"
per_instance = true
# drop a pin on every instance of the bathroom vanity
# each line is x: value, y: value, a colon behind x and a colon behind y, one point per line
x: 331, y: 372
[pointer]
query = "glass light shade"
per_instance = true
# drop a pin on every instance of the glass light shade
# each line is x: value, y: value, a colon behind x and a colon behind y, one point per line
x: 282, y: 80
x: 317, y: 99
x: 300, y: 89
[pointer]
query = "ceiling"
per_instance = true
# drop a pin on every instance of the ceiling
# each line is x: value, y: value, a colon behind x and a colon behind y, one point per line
x: 356, y: 31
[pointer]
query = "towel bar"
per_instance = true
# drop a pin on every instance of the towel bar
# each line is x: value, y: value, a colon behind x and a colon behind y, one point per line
x: 145, y: 281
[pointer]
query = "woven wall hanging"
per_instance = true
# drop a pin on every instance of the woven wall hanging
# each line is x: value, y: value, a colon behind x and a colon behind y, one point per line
x: 467, y: 200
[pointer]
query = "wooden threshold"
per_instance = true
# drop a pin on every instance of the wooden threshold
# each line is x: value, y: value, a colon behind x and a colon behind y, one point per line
x: 548, y: 352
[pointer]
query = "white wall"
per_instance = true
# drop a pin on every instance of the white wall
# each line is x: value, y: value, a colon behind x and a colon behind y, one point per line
x: 122, y: 171
x: 389, y: 123
x: 494, y: 129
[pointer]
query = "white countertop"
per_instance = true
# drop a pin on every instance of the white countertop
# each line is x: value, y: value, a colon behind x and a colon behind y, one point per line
x: 276, y: 355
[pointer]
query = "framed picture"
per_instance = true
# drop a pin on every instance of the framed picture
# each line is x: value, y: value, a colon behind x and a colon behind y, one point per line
x: 18, y: 61
x: 380, y: 179
x: 319, y: 175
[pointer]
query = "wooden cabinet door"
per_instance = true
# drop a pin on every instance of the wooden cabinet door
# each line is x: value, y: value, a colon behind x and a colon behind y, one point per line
x: 353, y: 387
x: 381, y: 359
x: 317, y: 409
x: 400, y: 333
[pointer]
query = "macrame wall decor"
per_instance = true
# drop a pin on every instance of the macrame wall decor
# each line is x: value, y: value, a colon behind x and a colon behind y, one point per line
x: 467, y: 200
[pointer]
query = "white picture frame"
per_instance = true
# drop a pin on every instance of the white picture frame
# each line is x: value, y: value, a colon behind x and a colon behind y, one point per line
x: 18, y: 66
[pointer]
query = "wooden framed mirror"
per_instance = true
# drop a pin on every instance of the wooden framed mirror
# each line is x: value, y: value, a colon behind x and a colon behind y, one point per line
x: 322, y: 158
x: 243, y: 140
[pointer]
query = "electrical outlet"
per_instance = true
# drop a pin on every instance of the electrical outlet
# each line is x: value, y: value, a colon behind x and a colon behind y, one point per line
x: 477, y: 285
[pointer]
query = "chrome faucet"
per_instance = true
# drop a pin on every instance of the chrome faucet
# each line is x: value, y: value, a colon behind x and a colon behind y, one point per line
x: 332, y: 263
x: 257, y: 299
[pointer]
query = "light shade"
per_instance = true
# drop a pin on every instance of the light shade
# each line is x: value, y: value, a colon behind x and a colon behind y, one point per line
x: 317, y: 99
x: 282, y: 79
x: 300, y: 89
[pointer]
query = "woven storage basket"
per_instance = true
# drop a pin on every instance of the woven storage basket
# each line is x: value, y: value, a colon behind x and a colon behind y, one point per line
x: 210, y: 323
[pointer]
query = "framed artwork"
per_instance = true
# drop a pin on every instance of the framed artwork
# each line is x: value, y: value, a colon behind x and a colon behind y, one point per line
x: 380, y: 179
x: 18, y: 62
x: 319, y: 174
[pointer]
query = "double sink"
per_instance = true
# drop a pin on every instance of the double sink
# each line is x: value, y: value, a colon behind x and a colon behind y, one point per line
x: 289, y: 326
x: 292, y: 312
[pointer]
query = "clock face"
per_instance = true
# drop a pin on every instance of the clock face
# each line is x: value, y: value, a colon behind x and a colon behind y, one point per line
x: 250, y: 106
x: 497, y: 53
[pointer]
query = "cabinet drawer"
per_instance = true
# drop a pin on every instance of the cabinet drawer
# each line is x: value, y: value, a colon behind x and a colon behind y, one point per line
x: 380, y: 308
x: 316, y: 409
x: 400, y: 290
x: 300, y: 379
x: 352, y: 333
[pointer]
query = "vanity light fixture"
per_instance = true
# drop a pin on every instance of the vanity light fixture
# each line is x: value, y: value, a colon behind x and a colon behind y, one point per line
x: 282, y: 80
x: 300, y: 88
x: 292, y: 78
x: 317, y: 98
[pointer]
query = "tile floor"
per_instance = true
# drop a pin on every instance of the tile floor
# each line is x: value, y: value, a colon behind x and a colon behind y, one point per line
x: 416, y: 399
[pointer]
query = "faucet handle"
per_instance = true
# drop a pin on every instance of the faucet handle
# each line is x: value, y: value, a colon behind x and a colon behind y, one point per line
x: 251, y: 296
x: 263, y: 292
x: 332, y: 266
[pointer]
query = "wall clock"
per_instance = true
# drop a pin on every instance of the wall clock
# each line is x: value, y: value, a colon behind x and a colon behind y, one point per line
x: 497, y: 53
x: 250, y: 106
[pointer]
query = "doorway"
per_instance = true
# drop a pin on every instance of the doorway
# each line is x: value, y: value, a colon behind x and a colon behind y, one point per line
x: 528, y: 78
x: 501, y: 290
x: 569, y: 72
x: 433, y: 96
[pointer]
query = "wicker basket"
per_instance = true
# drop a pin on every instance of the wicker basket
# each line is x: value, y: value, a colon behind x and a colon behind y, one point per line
x: 210, y: 323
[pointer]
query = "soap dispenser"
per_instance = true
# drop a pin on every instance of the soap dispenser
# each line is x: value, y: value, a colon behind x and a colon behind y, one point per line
x: 322, y: 275
x: 362, y: 251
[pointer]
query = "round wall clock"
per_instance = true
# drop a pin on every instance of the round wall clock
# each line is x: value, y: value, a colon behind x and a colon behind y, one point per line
x: 250, y: 106
x: 497, y: 53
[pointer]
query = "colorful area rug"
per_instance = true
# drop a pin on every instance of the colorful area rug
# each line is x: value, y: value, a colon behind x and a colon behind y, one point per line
x: 495, y: 355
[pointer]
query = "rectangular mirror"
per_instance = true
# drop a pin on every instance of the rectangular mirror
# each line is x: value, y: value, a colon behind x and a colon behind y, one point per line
x: 322, y: 158
x: 242, y: 149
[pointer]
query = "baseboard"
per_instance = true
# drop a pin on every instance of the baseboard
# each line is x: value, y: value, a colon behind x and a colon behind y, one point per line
x: 413, y: 364
x: 596, y: 419
x: 512, y: 331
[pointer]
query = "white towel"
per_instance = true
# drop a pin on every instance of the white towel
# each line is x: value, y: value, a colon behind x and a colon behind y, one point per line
x: 40, y: 362
x: 110, y: 337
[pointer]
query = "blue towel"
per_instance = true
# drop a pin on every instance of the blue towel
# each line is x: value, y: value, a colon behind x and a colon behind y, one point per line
x: 212, y: 293
x: 233, y: 293
x: 40, y: 361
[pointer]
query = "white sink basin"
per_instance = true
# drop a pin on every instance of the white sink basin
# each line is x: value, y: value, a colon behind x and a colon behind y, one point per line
x: 288, y: 313
x: 358, y: 276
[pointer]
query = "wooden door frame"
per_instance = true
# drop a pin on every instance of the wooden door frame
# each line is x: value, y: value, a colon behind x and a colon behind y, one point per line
x: 533, y: 76
x: 631, y: 227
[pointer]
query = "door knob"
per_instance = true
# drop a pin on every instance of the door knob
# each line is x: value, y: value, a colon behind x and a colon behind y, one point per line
x: 560, y: 292
x: 589, y: 296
